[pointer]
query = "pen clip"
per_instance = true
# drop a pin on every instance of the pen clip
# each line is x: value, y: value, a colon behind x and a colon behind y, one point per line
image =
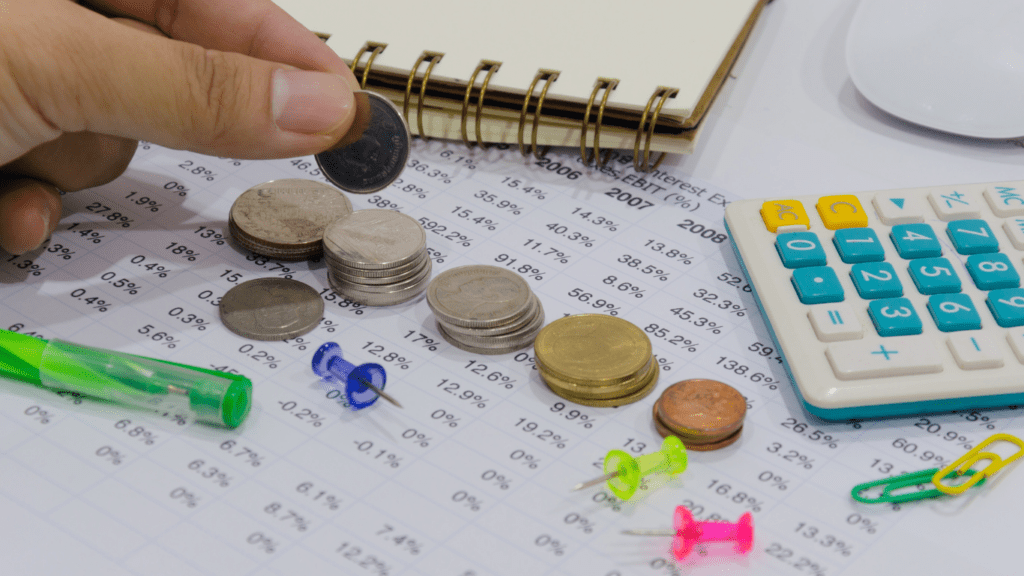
x: 965, y: 463
x: 908, y: 480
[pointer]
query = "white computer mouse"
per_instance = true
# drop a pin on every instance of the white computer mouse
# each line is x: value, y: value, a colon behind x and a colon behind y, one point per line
x: 951, y: 65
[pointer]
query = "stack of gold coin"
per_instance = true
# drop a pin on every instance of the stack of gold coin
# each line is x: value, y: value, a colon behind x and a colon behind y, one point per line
x: 377, y: 257
x: 596, y: 360
x: 285, y: 219
x: 485, y: 309
x: 704, y: 414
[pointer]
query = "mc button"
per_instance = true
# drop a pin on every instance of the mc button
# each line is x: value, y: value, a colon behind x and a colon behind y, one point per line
x: 784, y: 213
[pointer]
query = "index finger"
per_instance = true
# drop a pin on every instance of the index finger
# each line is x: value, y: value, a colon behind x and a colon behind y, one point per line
x: 257, y: 28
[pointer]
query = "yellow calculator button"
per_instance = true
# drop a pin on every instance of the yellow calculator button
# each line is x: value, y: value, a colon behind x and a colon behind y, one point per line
x: 842, y: 212
x: 776, y: 213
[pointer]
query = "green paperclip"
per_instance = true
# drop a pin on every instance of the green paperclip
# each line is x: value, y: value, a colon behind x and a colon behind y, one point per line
x: 908, y: 480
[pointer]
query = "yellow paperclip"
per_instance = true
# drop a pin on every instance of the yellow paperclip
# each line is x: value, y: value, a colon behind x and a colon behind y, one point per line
x: 971, y: 458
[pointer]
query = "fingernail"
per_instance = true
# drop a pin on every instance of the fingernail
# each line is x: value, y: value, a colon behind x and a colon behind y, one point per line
x: 310, y: 102
x: 32, y: 234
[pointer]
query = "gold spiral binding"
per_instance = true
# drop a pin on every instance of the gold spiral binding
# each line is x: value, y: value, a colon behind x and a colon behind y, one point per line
x: 549, y: 77
x: 664, y: 93
x: 608, y: 84
x: 374, y: 48
x: 491, y: 66
x: 434, y: 58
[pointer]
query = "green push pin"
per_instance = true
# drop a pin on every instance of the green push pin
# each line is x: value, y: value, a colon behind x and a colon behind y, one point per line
x: 623, y: 472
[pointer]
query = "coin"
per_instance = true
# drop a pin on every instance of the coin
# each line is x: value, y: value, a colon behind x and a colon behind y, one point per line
x: 367, y: 273
x: 375, y: 239
x: 527, y: 317
x: 518, y: 338
x: 698, y: 446
x: 344, y: 275
x: 702, y: 408
x: 396, y: 286
x: 373, y: 152
x: 271, y: 309
x: 648, y: 384
x: 478, y: 296
x: 357, y: 293
x: 592, y: 349
x: 475, y: 349
x: 616, y: 390
x: 285, y: 217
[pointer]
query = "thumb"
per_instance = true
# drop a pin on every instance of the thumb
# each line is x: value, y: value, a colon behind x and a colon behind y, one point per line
x: 96, y: 75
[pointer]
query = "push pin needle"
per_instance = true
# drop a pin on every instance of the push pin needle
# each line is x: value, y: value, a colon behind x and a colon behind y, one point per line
x: 363, y: 384
x: 380, y: 392
x: 595, y: 481
x: 623, y: 472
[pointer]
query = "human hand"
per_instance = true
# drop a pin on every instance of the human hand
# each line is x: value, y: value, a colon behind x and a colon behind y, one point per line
x: 232, y: 78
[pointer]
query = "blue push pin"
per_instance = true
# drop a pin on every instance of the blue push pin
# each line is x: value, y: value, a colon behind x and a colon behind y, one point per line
x: 363, y: 384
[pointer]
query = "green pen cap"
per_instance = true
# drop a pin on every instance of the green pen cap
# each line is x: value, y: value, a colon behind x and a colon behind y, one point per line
x: 213, y: 397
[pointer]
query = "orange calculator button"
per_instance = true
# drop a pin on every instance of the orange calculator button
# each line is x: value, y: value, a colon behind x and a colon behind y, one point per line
x: 841, y: 212
x: 776, y: 213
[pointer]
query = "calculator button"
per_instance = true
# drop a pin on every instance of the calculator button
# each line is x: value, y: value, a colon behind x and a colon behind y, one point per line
x: 800, y: 249
x: 833, y: 322
x: 1005, y: 201
x: 1016, y: 339
x: 876, y: 358
x: 898, y: 208
x: 972, y: 237
x: 954, y: 312
x: 841, y: 212
x: 992, y: 271
x: 915, y: 241
x: 894, y: 317
x: 858, y: 245
x: 954, y: 205
x: 786, y: 213
x: 1015, y: 230
x: 1007, y: 306
x: 876, y: 280
x: 934, y: 276
x: 975, y: 351
x: 817, y: 285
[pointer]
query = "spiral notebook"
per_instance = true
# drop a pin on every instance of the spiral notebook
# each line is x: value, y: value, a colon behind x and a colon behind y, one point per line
x: 598, y: 75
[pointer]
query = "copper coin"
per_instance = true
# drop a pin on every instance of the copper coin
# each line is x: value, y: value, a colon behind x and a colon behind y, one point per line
x: 727, y: 441
x: 687, y: 436
x: 702, y: 408
x: 697, y: 446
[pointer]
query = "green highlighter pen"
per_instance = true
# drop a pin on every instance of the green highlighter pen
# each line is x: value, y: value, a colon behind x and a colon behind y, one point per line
x: 213, y: 397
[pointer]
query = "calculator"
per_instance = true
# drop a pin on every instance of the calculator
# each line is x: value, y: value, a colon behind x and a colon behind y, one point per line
x: 891, y: 303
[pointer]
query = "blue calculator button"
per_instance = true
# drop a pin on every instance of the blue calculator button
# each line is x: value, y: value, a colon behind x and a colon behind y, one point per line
x: 992, y: 271
x: 915, y: 241
x: 858, y: 245
x: 1007, y: 306
x: 817, y: 285
x: 800, y: 249
x: 954, y: 312
x: 876, y: 280
x: 894, y: 317
x: 972, y: 237
x: 934, y: 276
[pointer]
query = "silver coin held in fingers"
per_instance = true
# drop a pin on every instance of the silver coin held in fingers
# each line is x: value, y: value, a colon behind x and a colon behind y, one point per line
x: 373, y: 152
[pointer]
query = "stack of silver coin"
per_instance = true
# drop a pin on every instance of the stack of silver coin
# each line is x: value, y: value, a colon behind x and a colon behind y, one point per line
x: 377, y: 257
x: 285, y: 219
x: 485, y: 309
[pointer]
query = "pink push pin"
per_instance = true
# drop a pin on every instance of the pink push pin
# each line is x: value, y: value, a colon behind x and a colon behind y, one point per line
x: 689, y: 532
